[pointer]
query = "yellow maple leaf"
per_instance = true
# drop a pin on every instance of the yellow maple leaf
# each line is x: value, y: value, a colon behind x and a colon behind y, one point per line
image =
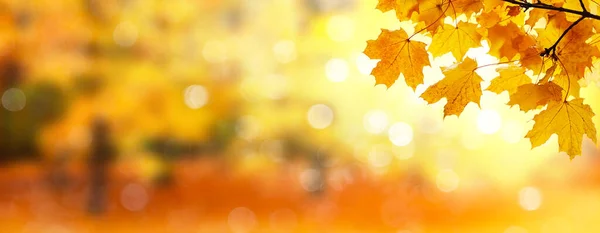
x: 535, y: 15
x: 456, y: 39
x: 549, y: 74
x: 575, y: 56
x: 509, y: 80
x: 460, y: 86
x: 399, y: 55
x: 558, y: 57
x: 432, y: 13
x: 489, y: 19
x: 403, y: 8
x: 569, y: 83
x: 386, y: 5
x: 569, y: 120
x: 489, y: 5
x: 467, y: 7
x: 502, y: 40
x: 576, y: 5
x: 531, y: 96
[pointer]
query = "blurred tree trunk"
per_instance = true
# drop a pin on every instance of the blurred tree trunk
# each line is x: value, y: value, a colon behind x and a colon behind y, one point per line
x: 101, y: 154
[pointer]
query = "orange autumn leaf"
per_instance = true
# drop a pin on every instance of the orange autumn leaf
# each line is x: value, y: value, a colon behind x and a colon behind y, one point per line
x: 403, y: 8
x: 432, y: 12
x: 531, y: 96
x: 489, y: 19
x: 467, y: 7
x: 535, y: 15
x: 399, y: 55
x: 558, y: 57
x: 502, y: 40
x: 386, y: 5
x: 489, y: 5
x: 460, y: 87
x: 513, y: 10
x: 569, y: 120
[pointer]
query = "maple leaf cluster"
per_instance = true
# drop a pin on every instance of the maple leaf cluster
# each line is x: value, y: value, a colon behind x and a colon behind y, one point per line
x: 540, y: 66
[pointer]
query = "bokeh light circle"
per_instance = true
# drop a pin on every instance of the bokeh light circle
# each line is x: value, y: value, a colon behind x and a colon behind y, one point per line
x: 489, y: 121
x: 195, y: 96
x: 447, y: 180
x: 320, y: 116
x: 134, y: 197
x: 336, y: 70
x: 241, y: 220
x: 375, y: 121
x: 14, y: 100
x: 311, y: 180
x: 125, y: 34
x: 400, y: 134
x: 530, y: 198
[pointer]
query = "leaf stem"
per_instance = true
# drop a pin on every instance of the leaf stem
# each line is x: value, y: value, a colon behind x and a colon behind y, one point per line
x: 496, y: 64
x: 425, y: 28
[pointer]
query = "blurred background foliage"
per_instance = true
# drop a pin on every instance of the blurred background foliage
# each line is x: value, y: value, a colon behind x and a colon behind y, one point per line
x: 256, y: 116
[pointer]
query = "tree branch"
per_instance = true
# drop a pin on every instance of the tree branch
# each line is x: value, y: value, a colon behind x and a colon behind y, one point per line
x: 553, y: 47
x: 582, y: 5
x: 584, y: 13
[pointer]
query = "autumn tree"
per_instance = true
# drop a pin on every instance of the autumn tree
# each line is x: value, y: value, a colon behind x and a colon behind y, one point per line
x: 544, y: 49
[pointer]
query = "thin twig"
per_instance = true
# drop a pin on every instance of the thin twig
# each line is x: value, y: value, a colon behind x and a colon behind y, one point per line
x: 582, y: 6
x: 553, y: 47
x: 496, y: 64
x: 540, y: 5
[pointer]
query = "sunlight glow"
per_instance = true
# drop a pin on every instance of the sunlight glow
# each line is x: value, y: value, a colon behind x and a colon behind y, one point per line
x: 364, y: 64
x: 336, y: 70
x: 513, y: 131
x: 489, y: 121
x: 400, y: 133
x: 472, y: 139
